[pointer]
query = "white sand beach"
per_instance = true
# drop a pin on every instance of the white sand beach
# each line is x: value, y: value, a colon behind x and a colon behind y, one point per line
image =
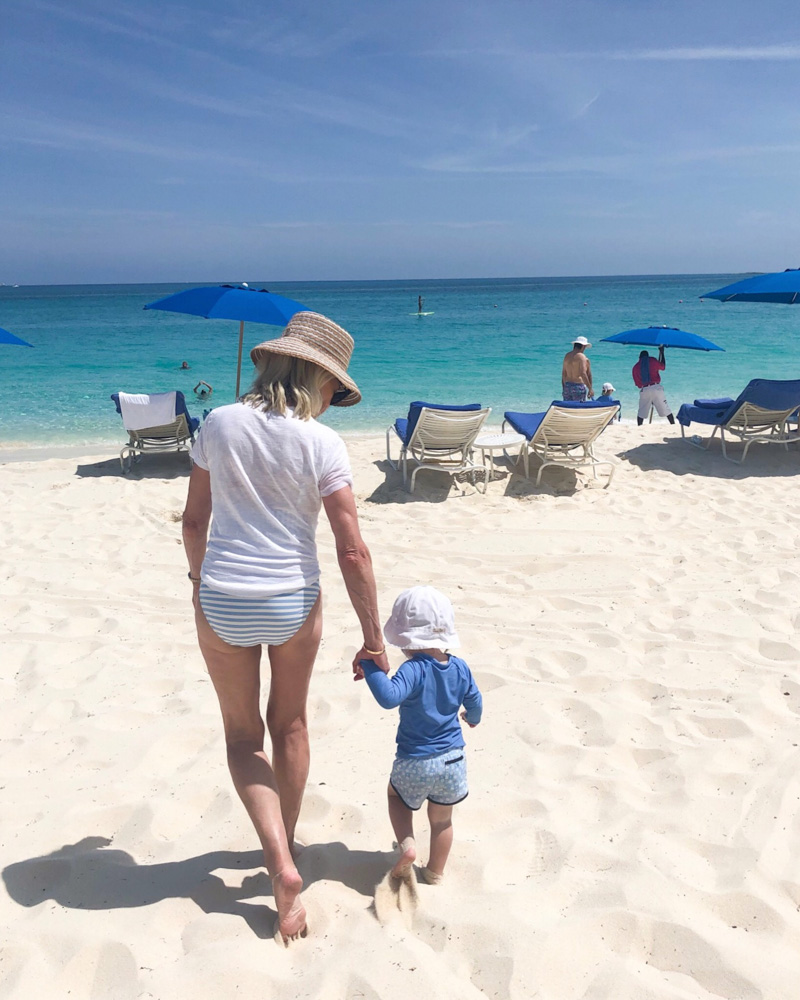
x: 633, y: 826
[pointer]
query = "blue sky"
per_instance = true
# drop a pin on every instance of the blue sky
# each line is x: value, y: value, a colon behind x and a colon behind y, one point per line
x: 350, y: 140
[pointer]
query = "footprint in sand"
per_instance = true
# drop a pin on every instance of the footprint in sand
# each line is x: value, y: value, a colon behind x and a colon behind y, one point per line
x: 539, y: 856
x: 777, y: 650
x: 721, y: 728
x: 570, y: 604
x: 747, y: 912
x: 432, y: 930
x: 491, y: 682
x: 677, y: 949
x: 546, y: 856
x: 587, y: 722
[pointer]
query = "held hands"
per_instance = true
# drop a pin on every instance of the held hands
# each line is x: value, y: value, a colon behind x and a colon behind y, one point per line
x: 380, y: 661
x: 464, y: 717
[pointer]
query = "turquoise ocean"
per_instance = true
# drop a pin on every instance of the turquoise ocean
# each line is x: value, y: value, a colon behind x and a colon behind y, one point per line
x: 498, y: 342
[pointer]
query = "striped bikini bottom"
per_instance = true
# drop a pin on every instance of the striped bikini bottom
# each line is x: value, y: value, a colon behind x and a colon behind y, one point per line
x: 245, y: 621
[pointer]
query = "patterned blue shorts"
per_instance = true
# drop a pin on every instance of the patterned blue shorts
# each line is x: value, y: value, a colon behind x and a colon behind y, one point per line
x: 575, y: 392
x: 442, y: 780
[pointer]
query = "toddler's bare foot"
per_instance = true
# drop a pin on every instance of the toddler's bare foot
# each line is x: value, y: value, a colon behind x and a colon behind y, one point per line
x: 286, y: 886
x: 432, y: 878
x: 408, y: 855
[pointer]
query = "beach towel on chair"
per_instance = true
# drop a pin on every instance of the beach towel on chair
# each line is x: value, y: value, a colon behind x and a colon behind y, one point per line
x: 142, y: 409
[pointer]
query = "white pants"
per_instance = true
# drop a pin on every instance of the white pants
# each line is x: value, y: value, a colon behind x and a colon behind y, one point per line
x: 653, y: 395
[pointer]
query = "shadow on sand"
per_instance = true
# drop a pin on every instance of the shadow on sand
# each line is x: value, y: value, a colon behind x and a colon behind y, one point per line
x: 169, y: 465
x: 91, y: 876
x: 433, y: 486
x: 682, y: 458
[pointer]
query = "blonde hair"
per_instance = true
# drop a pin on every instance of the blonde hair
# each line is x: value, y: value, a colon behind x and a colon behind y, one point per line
x: 286, y: 381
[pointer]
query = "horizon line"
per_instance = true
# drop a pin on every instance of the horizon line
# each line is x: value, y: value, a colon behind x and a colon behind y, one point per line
x: 417, y: 280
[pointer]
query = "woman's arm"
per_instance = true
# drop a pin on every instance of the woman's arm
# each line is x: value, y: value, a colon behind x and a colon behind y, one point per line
x: 196, y: 518
x: 355, y: 563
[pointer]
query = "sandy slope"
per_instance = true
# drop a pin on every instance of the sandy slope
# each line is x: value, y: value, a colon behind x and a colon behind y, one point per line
x: 634, y: 824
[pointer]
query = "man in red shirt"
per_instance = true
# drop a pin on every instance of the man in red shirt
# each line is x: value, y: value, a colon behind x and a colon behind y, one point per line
x: 647, y: 376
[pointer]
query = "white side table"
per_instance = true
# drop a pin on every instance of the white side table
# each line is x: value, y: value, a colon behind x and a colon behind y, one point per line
x: 499, y: 442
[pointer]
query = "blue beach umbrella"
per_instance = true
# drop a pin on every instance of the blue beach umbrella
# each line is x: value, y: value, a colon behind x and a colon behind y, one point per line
x: 248, y: 305
x: 9, y: 338
x: 663, y: 336
x: 783, y: 286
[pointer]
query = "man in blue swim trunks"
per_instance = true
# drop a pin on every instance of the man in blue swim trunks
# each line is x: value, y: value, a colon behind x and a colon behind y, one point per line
x: 576, y: 373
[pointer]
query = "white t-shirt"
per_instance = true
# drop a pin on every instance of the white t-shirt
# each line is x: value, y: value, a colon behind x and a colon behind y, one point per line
x: 268, y: 476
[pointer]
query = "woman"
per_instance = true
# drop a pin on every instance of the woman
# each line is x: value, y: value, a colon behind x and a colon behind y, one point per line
x: 265, y: 466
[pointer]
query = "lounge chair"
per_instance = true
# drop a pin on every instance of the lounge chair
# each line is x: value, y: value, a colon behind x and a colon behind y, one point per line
x: 156, y: 421
x: 438, y: 436
x: 759, y: 415
x: 564, y: 435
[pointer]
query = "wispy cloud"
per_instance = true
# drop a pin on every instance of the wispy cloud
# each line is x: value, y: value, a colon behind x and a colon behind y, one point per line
x: 566, y: 165
x: 282, y: 37
x: 485, y: 148
x: 736, y: 152
x: 87, y: 214
x: 709, y: 53
x: 36, y: 130
x: 262, y: 94
x: 386, y: 224
x: 585, y: 108
x: 140, y: 30
x: 630, y: 163
x: 766, y: 53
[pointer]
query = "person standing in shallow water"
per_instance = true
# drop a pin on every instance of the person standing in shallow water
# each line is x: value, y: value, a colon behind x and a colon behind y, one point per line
x: 269, y: 467
x: 576, y: 373
x: 647, y: 376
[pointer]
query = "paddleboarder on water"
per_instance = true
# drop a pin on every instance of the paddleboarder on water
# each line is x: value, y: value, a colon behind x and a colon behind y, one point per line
x: 420, y: 301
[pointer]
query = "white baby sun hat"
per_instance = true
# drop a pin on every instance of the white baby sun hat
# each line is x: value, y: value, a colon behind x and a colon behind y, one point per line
x: 422, y: 618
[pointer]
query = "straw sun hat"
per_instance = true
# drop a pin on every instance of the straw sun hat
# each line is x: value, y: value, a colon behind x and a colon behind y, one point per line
x: 316, y: 338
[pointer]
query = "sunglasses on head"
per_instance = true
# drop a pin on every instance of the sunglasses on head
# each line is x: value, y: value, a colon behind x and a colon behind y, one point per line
x: 340, y: 395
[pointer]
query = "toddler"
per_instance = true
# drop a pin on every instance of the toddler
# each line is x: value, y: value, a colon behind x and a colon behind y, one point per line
x: 429, y: 687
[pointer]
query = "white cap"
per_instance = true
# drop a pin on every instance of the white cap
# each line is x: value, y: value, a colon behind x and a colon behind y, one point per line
x: 422, y: 618
x: 608, y: 387
x: 582, y: 341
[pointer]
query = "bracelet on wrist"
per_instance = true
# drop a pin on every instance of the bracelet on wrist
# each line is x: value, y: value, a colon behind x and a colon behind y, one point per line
x: 194, y: 579
x: 374, y: 652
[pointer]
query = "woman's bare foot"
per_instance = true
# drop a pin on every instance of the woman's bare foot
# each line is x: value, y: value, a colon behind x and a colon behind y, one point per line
x: 286, y: 886
x: 408, y: 855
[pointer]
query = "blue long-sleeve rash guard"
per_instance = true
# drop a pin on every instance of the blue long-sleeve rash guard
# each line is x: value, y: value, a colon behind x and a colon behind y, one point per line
x: 429, y: 694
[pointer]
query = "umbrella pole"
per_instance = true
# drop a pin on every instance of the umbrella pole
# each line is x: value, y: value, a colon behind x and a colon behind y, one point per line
x: 239, y: 361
